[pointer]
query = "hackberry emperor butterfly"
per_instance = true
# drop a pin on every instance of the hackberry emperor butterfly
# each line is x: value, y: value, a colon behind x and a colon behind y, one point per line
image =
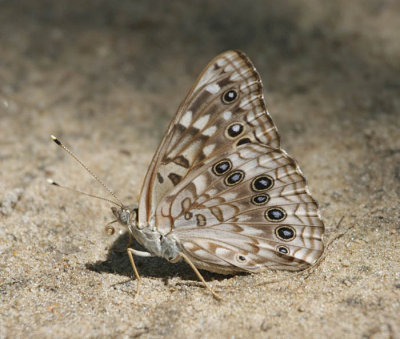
x: 220, y: 192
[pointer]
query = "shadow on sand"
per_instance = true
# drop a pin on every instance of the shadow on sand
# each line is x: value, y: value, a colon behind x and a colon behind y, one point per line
x: 118, y: 262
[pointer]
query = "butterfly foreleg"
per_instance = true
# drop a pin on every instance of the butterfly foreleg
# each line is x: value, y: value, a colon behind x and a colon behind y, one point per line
x: 194, y: 268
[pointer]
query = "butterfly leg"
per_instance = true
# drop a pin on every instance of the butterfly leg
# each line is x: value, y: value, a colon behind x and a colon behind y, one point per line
x: 132, y: 252
x: 194, y: 268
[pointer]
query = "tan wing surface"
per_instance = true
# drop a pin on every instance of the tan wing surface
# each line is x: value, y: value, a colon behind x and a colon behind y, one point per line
x: 224, y: 108
x: 244, y: 210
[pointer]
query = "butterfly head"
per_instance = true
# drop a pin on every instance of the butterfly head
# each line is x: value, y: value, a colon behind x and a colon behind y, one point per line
x: 126, y: 214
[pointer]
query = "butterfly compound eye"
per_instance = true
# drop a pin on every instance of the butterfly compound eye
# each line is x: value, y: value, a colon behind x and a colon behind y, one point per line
x: 229, y: 96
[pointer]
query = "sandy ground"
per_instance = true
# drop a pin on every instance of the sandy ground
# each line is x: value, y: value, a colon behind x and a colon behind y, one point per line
x: 106, y: 77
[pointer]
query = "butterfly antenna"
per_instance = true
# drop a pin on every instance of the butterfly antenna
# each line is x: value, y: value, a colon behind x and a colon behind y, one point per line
x: 52, y: 182
x: 59, y: 143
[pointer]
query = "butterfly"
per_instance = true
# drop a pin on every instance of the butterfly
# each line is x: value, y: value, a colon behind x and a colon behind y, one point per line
x: 220, y: 193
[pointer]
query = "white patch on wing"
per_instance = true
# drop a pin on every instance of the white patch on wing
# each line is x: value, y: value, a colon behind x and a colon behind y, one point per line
x: 208, y: 149
x: 244, y: 88
x: 186, y: 119
x: 245, y: 101
x: 223, y: 252
x: 251, y: 231
x: 250, y: 116
x: 207, y: 256
x: 201, y: 199
x: 229, y: 68
x: 200, y: 183
x: 229, y: 196
x: 189, y: 245
x: 212, y: 202
x: 231, y: 55
x: 210, y: 131
x: 235, y: 77
x: 213, y: 88
x: 212, y: 191
x: 243, y: 217
x: 227, y: 115
x: 200, y: 123
x: 221, y: 62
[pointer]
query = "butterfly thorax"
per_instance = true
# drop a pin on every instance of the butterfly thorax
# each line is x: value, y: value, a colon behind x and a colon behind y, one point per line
x: 160, y: 245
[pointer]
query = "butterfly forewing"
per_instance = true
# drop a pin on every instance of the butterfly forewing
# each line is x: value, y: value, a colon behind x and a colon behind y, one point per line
x: 225, y: 107
x: 220, y: 184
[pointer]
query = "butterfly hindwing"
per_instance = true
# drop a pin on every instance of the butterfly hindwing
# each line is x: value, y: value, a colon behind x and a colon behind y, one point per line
x: 244, y: 210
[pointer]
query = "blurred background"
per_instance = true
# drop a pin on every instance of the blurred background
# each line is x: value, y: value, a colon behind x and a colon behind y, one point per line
x: 122, y: 68
x: 107, y: 76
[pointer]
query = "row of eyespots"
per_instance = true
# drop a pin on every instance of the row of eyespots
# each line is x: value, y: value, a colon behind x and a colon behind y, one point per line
x: 276, y: 214
x: 224, y: 166
x: 281, y: 249
x: 284, y: 233
x: 235, y: 129
x: 261, y: 183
